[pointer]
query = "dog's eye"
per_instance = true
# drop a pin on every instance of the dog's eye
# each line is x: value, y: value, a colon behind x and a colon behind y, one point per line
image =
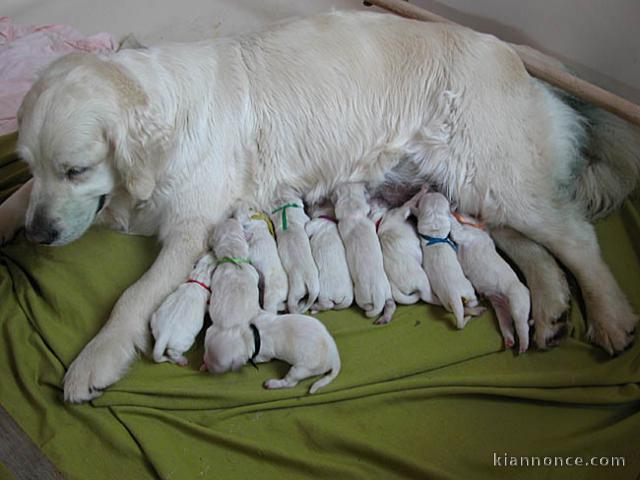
x: 75, y: 171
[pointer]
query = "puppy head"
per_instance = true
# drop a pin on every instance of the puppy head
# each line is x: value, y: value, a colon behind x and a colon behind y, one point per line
x: 433, y: 215
x: 204, y: 264
x: 228, y: 240
x: 228, y: 349
x: 80, y: 132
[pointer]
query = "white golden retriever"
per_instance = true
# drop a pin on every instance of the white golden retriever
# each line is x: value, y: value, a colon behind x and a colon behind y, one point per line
x: 299, y: 340
x: 336, y: 287
x: 179, y: 319
x: 492, y: 277
x: 165, y: 140
x: 371, y: 288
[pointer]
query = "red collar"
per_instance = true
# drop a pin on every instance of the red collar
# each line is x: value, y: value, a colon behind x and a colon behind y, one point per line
x: 378, y: 223
x: 327, y: 217
x: 206, y: 287
x: 464, y: 221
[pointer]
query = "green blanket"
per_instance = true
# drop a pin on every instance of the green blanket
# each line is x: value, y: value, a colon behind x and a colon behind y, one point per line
x: 415, y: 399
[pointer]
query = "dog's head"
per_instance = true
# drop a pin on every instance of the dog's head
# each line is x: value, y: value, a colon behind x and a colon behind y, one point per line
x: 433, y: 215
x: 85, y: 128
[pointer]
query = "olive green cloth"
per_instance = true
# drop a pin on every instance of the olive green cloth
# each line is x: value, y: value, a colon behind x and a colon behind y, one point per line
x: 415, y: 398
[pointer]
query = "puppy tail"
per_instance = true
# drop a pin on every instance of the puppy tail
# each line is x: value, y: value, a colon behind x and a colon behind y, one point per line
x: 610, y: 166
x: 313, y: 291
x: 457, y: 308
x: 403, y: 298
x: 328, y: 378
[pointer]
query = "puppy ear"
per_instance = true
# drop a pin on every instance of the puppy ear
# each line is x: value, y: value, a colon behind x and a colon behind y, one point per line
x: 139, y: 145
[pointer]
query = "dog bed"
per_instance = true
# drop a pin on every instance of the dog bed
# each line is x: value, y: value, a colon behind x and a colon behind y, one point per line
x: 415, y: 398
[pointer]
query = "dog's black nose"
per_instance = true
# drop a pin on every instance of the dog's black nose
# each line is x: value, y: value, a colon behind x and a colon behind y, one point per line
x: 44, y: 236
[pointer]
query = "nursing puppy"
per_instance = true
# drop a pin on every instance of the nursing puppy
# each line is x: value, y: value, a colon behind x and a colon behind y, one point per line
x: 371, y: 287
x: 235, y: 298
x: 439, y: 258
x: 299, y: 340
x: 336, y: 287
x: 180, y: 317
x: 402, y: 255
x: 493, y: 277
x: 263, y: 252
x: 289, y: 221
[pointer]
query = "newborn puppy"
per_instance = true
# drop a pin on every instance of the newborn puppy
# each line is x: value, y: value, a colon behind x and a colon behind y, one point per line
x: 263, y: 252
x: 370, y: 284
x: 289, y: 221
x: 336, y: 288
x: 299, y: 340
x: 439, y: 258
x: 402, y: 255
x: 180, y: 317
x: 235, y: 298
x: 492, y: 277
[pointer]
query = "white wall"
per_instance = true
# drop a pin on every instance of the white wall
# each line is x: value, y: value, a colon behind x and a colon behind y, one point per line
x: 599, y: 39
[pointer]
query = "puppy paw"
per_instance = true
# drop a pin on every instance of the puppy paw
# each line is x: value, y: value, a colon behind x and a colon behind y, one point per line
x: 274, y: 383
x: 549, y: 309
x: 100, y: 364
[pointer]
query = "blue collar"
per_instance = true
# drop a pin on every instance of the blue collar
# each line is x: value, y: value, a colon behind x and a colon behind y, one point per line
x: 436, y: 240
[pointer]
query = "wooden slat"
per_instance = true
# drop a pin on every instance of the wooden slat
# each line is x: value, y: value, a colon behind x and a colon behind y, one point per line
x: 20, y: 455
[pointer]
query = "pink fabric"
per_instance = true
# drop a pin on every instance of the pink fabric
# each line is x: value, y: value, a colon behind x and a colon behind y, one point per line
x: 26, y: 49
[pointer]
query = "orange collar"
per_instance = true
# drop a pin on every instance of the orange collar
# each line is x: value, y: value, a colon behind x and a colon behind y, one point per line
x: 463, y: 221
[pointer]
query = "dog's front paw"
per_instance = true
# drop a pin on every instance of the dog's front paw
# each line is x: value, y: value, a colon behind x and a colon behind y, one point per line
x: 274, y: 383
x: 100, y: 364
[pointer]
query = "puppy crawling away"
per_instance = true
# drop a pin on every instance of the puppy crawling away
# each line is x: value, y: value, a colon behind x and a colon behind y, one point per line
x: 492, y: 277
x: 179, y: 319
x: 299, y: 340
x: 371, y: 287
x: 263, y: 252
x: 336, y: 287
x: 439, y: 257
x: 289, y: 220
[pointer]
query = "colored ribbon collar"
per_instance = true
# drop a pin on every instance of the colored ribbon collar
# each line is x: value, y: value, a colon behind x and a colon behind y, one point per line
x: 265, y: 218
x: 283, y: 209
x: 329, y: 218
x: 198, y: 282
x: 436, y: 240
x: 256, y: 344
x: 234, y: 260
x: 463, y: 221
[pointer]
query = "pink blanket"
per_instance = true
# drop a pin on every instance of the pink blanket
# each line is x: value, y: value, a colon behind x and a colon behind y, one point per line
x: 26, y: 49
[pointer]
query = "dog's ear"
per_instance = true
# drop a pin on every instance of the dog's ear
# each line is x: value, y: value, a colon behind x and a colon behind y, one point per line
x: 139, y: 144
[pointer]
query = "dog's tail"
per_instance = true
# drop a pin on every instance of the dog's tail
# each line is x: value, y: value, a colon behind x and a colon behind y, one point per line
x: 329, y: 377
x: 160, y: 347
x: 611, y: 168
x: 404, y: 298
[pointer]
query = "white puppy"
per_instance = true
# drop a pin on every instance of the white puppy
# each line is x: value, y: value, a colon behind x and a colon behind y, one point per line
x: 235, y: 298
x: 336, y: 287
x: 299, y: 340
x: 289, y: 221
x: 402, y: 255
x: 439, y: 258
x: 180, y: 317
x: 263, y: 252
x: 370, y: 284
x: 493, y: 278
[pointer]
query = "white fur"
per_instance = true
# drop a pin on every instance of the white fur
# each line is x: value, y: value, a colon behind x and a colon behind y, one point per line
x: 336, y: 287
x: 235, y: 298
x: 175, y: 135
x: 180, y: 317
x: 371, y: 287
x: 440, y: 262
x: 299, y: 340
x: 295, y: 253
x: 492, y: 277
x: 263, y: 252
x: 402, y: 256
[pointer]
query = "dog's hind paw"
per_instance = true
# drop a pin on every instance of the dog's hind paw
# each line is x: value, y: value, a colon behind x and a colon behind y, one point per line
x: 613, y: 336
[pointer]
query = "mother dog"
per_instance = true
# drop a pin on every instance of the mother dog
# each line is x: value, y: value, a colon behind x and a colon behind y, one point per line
x: 165, y: 140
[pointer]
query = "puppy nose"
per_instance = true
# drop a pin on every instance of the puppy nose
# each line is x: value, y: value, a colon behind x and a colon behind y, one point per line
x: 43, y: 236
